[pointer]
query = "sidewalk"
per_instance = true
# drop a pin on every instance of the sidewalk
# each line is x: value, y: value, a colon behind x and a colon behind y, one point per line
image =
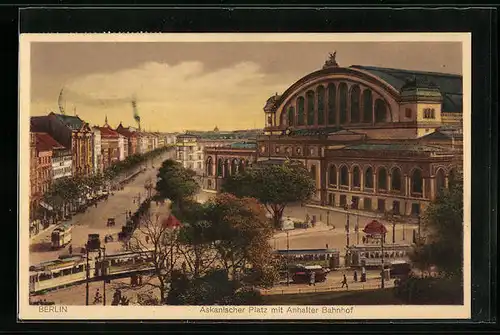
x: 371, y: 215
x: 358, y: 286
x: 48, y: 229
x: 320, y: 227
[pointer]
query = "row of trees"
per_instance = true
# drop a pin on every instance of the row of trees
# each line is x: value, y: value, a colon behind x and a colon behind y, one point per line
x: 68, y: 191
x: 218, y: 255
x: 438, y: 254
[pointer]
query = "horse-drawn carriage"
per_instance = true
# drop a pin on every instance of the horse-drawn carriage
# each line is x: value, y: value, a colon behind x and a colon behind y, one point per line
x: 111, y: 222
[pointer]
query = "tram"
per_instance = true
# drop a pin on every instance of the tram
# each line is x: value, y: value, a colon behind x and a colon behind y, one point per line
x: 61, y: 236
x: 60, y: 272
x: 370, y: 255
x: 328, y: 257
x: 72, y: 269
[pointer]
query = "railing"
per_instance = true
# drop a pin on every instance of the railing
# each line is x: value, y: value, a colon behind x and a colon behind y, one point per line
x: 375, y: 284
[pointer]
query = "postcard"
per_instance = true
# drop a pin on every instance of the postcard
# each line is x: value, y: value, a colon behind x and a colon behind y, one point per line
x: 244, y: 176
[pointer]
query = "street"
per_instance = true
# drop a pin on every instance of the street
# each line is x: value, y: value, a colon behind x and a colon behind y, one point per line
x: 94, y: 220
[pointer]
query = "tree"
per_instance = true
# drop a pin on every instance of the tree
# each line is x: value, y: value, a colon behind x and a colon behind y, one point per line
x: 443, y: 227
x: 273, y: 185
x: 157, y: 239
x: 214, y: 288
x: 240, y: 233
x: 194, y: 239
x: 176, y: 183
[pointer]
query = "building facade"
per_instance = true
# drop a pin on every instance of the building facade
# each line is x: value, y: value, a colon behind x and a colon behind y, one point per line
x: 131, y: 136
x: 189, y: 152
x: 33, y: 178
x: 371, y: 137
x: 97, y: 151
x: 122, y: 147
x: 110, y: 149
x: 44, y: 165
x: 74, y: 134
x: 62, y: 160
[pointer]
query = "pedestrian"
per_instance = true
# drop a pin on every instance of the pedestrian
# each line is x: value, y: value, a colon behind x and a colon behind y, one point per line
x: 344, y: 282
x: 312, y: 278
x: 147, y: 239
x: 70, y: 249
x: 355, y: 276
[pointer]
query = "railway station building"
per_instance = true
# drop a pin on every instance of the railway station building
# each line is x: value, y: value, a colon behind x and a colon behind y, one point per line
x: 375, y: 139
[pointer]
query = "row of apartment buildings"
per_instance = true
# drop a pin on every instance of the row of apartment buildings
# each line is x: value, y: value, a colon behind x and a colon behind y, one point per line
x: 63, y: 146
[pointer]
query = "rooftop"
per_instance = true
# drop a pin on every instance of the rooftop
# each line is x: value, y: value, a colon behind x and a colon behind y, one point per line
x: 72, y: 122
x: 413, y: 147
x: 450, y: 85
x: 243, y: 145
x: 45, y: 142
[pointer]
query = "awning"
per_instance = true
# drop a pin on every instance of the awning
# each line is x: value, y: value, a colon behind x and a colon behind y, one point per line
x: 46, y: 206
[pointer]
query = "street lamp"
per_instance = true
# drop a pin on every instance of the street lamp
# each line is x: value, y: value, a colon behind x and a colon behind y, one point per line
x: 287, y: 256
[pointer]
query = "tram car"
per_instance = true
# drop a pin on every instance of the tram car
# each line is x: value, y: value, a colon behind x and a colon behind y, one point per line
x: 72, y: 269
x: 129, y: 261
x: 370, y: 255
x: 57, y: 273
x: 61, y: 236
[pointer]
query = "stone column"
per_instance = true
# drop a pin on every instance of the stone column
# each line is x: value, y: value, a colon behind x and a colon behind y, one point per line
x: 389, y: 182
x: 433, y: 187
x: 361, y: 105
x: 348, y: 104
x: 446, y: 181
x: 424, y: 189
x: 374, y: 183
x: 350, y: 180
x: 374, y: 98
x: 362, y: 181
x: 338, y: 178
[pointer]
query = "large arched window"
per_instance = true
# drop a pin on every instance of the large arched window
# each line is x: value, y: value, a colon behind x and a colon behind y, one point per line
x: 227, y: 171
x: 310, y: 107
x: 321, y: 104
x: 367, y: 106
x: 382, y: 179
x: 209, y: 166
x: 300, y: 111
x: 344, y: 176
x: 313, y: 173
x: 220, y: 168
x: 356, y: 177
x: 417, y: 181
x: 332, y: 175
x: 343, y: 102
x: 396, y: 179
x: 332, y: 101
x: 234, y: 166
x: 369, y: 178
x: 440, y: 180
x: 452, y: 176
x: 355, y: 95
x: 241, y: 167
x: 380, y: 111
x: 291, y: 115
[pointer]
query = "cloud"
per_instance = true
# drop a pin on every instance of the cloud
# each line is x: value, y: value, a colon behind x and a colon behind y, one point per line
x: 180, y: 96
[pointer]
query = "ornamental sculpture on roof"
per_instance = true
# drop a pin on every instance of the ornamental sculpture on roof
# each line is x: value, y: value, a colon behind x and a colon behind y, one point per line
x: 331, y: 61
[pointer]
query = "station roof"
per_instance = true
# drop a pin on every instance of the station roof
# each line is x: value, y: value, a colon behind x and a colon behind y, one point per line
x: 450, y: 85
x: 394, y: 147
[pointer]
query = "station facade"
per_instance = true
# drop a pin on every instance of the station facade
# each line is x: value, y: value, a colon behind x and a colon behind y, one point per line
x: 375, y: 139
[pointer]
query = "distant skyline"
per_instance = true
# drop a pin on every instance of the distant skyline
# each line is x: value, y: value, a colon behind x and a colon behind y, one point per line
x: 199, y: 85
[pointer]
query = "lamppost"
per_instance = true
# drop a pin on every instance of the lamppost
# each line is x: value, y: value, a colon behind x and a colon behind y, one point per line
x: 103, y: 273
x: 382, y: 238
x: 404, y: 221
x: 347, y: 226
x: 287, y: 260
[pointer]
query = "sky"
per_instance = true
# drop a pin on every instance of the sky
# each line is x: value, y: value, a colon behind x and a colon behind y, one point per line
x: 200, y: 85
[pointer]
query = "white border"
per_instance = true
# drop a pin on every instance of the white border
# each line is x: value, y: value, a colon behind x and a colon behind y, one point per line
x: 27, y: 312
